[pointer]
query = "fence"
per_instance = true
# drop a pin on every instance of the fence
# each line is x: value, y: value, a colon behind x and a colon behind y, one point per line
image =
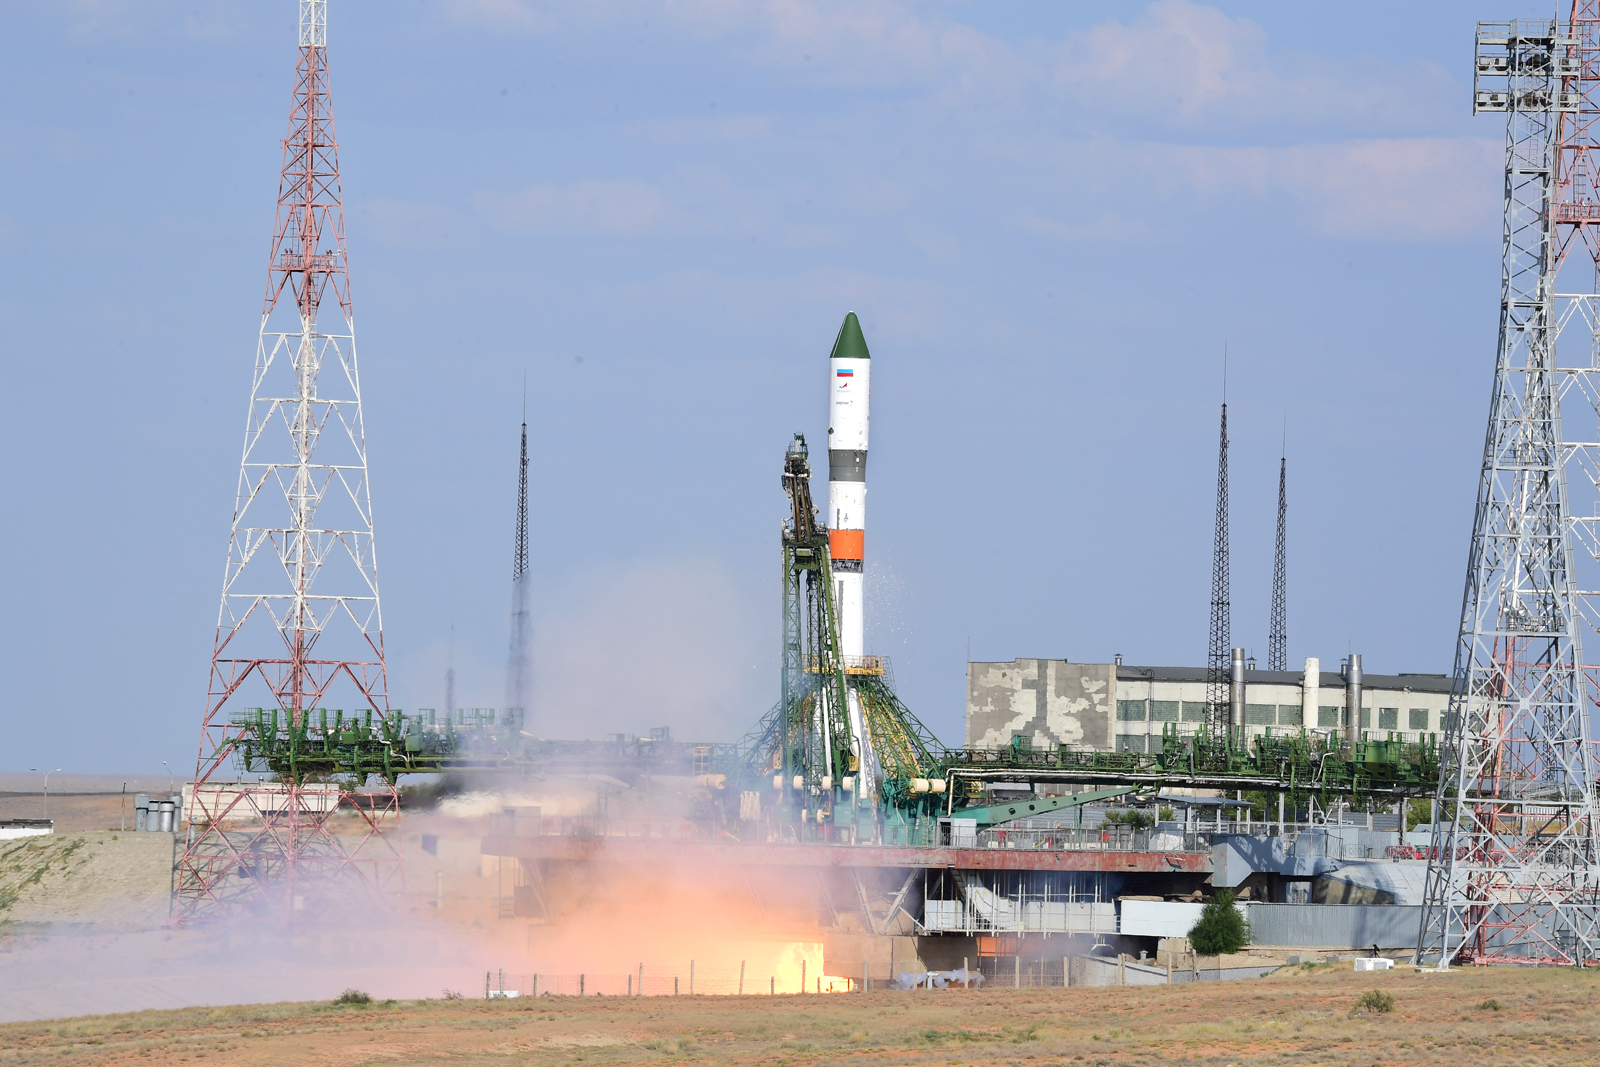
x: 660, y: 982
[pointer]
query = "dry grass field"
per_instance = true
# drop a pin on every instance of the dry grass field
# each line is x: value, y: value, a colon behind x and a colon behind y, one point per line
x: 1302, y: 1015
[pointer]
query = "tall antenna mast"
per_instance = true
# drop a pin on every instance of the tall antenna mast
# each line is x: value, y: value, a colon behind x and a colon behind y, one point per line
x: 299, y: 624
x: 450, y: 675
x: 519, y: 666
x: 1219, y: 654
x: 1278, y: 637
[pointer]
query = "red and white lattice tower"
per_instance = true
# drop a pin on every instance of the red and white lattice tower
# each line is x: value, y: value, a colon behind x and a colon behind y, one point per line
x: 299, y: 627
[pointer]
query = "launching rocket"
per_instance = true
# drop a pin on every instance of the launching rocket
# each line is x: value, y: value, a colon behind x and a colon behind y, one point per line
x: 849, y: 401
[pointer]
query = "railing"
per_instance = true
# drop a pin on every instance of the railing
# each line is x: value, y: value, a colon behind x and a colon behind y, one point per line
x: 1104, y: 839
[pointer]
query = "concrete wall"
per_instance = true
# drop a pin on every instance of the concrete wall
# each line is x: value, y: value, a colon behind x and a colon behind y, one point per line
x: 1050, y: 701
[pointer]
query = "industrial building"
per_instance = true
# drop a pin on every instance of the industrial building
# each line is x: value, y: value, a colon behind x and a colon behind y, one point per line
x: 1117, y: 707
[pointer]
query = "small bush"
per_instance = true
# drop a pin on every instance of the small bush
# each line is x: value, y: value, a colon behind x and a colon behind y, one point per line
x: 1139, y: 820
x: 453, y: 994
x: 1220, y: 928
x: 1375, y: 1001
x: 1489, y: 1005
x: 354, y: 996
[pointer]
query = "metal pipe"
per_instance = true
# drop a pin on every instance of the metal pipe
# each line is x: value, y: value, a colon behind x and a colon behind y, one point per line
x: 1236, y: 690
x: 1352, y: 697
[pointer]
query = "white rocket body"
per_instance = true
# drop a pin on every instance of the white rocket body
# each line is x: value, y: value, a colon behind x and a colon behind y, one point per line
x: 849, y: 415
x: 849, y: 404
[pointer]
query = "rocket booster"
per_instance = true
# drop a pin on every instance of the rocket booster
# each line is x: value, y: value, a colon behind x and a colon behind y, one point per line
x: 849, y: 403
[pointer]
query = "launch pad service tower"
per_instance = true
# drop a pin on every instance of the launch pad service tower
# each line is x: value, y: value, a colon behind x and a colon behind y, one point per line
x: 849, y: 415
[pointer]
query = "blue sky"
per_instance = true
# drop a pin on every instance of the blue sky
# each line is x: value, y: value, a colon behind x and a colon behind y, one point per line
x: 1051, y: 219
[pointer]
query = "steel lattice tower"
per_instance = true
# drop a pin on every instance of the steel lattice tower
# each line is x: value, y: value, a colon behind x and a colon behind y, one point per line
x: 299, y: 624
x: 1278, y: 637
x: 1513, y: 876
x: 519, y: 668
x: 1219, y: 654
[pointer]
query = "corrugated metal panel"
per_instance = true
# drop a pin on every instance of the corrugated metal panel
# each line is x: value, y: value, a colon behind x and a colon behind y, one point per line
x: 1388, y: 926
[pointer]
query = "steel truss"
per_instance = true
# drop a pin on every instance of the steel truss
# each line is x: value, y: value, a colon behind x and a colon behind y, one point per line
x: 303, y: 512
x: 1513, y: 876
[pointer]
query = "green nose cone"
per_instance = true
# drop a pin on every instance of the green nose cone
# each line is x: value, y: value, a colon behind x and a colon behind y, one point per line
x: 850, y: 344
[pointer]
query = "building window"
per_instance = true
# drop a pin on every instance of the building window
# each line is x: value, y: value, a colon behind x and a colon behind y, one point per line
x: 1130, y: 711
x: 1260, y: 714
x: 1366, y: 718
x: 1418, y: 719
x: 1451, y: 720
x: 1290, y: 715
x: 1130, y: 743
x: 1194, y: 711
x: 1327, y: 717
x: 1388, y: 718
x: 1163, y: 711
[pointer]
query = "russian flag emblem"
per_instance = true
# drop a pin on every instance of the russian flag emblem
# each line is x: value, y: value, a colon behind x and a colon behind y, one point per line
x: 844, y: 372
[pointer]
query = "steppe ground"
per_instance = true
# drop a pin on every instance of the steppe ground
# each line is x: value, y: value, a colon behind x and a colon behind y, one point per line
x: 1301, y: 1015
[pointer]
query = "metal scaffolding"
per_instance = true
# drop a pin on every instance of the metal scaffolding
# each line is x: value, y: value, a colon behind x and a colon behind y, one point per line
x: 1513, y: 875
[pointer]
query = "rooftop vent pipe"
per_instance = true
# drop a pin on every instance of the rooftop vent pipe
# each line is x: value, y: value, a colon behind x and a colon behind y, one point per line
x: 1236, y: 690
x: 1352, y: 696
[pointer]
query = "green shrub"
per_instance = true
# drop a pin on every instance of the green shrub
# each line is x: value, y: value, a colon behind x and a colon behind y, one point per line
x: 1489, y: 1005
x: 1134, y: 817
x: 1374, y: 1000
x: 354, y: 996
x: 1220, y: 928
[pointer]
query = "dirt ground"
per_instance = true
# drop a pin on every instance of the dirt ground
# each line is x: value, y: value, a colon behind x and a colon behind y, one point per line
x: 1301, y: 1015
x: 72, y: 812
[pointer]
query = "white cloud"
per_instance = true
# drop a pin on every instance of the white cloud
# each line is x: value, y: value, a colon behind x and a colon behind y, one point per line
x: 1402, y: 189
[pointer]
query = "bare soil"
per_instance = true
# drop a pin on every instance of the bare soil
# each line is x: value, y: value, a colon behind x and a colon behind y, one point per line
x: 1300, y: 1015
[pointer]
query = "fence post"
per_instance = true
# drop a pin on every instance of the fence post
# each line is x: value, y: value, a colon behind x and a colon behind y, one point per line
x: 863, y: 976
x: 772, y: 987
x: 691, y: 978
x: 641, y: 979
x: 674, y: 985
x: 1016, y: 972
x: 802, y: 977
x: 966, y: 977
x: 741, y: 978
x: 488, y: 983
x: 536, y: 987
x: 1066, y: 972
x: 630, y: 985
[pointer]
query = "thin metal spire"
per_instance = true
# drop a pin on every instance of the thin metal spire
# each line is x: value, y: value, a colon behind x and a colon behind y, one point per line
x: 1219, y: 654
x: 1278, y: 637
x: 519, y: 565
